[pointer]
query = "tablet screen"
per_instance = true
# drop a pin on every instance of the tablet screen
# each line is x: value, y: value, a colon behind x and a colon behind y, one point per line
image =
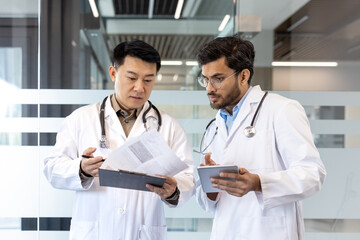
x: 206, y: 172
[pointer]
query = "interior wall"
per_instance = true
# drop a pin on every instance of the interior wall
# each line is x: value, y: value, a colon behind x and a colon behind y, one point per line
x: 345, y: 77
x: 352, y: 113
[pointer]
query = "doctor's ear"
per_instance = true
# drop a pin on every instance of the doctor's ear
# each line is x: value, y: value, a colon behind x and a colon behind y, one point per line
x: 112, y: 73
x: 244, y: 76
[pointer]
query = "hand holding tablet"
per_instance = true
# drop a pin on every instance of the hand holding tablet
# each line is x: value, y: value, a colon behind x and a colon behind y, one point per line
x: 206, y: 172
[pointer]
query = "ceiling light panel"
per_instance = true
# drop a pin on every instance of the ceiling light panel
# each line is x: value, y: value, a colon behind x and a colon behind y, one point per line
x: 304, y: 64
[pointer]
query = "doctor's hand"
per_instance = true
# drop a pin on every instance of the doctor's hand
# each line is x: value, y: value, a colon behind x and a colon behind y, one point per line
x: 210, y: 162
x: 167, y: 189
x: 90, y: 166
x: 242, y: 183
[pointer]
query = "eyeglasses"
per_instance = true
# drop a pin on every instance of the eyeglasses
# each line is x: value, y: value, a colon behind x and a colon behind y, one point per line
x: 215, y: 81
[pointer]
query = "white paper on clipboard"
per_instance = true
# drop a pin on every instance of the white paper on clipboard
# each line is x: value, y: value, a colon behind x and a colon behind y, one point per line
x: 147, y: 153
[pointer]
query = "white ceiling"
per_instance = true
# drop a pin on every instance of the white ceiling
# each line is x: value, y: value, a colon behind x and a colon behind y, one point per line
x: 19, y: 8
x: 272, y: 12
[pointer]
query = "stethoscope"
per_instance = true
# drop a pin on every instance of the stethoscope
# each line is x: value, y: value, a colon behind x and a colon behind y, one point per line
x: 104, y: 142
x: 249, y: 131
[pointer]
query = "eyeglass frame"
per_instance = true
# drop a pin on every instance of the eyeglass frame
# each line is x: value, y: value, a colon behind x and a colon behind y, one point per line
x: 201, y: 80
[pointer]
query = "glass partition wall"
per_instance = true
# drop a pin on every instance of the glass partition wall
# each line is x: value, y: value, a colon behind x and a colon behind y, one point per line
x: 304, y: 55
x: 19, y: 187
x: 316, y: 61
x: 54, y: 57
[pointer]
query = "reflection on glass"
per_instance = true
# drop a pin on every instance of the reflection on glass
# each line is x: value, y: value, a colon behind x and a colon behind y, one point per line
x: 10, y: 81
x: 18, y: 73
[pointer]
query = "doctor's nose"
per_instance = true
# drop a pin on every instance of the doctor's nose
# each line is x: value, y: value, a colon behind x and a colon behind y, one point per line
x: 139, y: 86
x: 210, y: 88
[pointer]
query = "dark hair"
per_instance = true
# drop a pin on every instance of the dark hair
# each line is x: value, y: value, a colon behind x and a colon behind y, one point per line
x: 239, y: 54
x: 136, y: 48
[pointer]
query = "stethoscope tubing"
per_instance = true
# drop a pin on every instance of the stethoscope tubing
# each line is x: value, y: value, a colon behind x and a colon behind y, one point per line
x: 102, y: 117
x: 252, y: 126
x: 157, y: 113
x: 257, y: 109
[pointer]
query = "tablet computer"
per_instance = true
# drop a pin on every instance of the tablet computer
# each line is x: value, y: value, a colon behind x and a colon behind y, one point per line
x: 206, y: 172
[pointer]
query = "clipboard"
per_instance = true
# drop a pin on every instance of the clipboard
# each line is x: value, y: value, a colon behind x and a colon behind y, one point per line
x: 128, y: 179
x: 206, y: 172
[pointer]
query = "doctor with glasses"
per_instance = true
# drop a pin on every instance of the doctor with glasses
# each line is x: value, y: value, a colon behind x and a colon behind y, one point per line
x: 267, y: 136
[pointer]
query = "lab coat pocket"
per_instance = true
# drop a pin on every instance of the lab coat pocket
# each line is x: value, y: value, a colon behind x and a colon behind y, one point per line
x: 152, y: 232
x: 269, y: 228
x: 81, y: 230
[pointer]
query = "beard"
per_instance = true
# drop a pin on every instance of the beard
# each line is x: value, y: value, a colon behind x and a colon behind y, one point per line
x: 227, y: 100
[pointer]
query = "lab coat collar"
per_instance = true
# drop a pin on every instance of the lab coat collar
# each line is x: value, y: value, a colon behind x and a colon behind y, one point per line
x: 254, y: 96
x: 138, y: 127
x: 112, y: 119
x: 109, y: 111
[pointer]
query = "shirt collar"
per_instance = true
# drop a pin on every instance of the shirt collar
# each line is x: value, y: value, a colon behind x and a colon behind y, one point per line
x: 224, y: 113
x: 120, y: 111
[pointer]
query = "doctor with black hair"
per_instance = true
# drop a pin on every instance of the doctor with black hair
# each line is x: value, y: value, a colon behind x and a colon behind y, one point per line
x: 88, y: 135
x: 268, y: 137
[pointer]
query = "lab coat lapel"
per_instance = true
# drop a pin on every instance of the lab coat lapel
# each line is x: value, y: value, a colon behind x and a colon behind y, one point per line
x: 247, y: 111
x: 138, y: 127
x: 112, y: 123
x: 220, y: 123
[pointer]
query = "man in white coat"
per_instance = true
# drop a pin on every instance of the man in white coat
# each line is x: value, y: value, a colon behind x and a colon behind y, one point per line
x: 114, y: 213
x: 278, y: 162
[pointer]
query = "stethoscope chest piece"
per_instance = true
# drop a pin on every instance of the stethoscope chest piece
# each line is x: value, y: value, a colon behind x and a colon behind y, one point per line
x: 151, y: 123
x: 249, y: 131
x: 104, y: 143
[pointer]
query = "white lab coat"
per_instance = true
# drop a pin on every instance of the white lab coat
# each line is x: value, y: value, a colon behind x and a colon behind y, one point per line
x: 113, y: 213
x: 284, y: 156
